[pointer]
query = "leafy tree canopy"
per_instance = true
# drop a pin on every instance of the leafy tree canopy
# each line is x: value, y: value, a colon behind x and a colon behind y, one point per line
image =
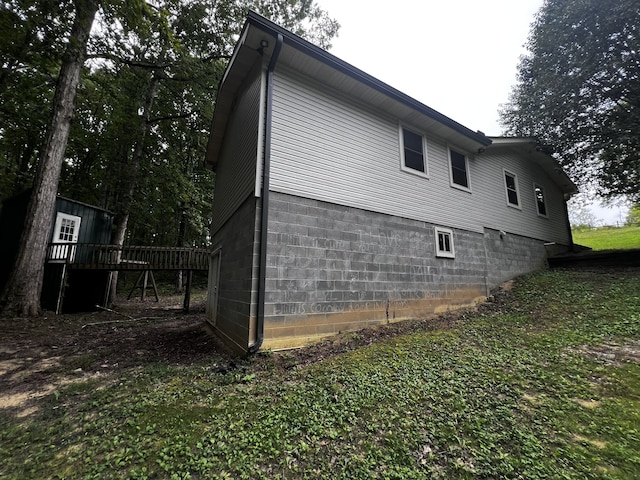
x: 578, y: 90
x: 182, y: 45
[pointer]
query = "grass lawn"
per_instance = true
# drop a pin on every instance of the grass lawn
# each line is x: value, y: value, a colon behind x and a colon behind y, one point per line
x: 609, y: 238
x: 542, y: 383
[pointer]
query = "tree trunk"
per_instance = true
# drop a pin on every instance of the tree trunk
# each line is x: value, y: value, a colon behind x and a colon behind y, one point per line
x: 21, y: 295
x: 180, y: 243
x: 131, y: 178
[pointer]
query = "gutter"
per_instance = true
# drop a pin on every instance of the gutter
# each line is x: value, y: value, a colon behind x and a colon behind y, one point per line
x: 264, y: 222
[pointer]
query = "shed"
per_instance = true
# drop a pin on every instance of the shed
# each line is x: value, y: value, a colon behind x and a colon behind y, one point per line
x: 73, y: 222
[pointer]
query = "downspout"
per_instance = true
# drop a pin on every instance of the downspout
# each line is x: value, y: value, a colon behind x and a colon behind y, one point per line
x: 264, y: 222
x: 572, y: 246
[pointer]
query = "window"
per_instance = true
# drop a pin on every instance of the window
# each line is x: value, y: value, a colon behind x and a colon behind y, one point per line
x: 65, y: 230
x: 511, y: 184
x: 540, y: 199
x: 413, y: 152
x: 459, y: 170
x: 444, y: 243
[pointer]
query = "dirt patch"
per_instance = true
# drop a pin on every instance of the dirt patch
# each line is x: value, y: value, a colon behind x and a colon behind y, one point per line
x: 38, y: 355
x: 613, y: 353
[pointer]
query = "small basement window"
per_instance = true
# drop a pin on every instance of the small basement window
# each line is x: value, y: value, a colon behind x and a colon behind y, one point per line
x: 511, y: 185
x: 444, y: 243
x: 413, y: 152
x: 541, y: 204
x: 459, y: 169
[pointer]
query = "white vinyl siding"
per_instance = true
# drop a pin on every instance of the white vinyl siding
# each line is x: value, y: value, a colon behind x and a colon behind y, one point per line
x: 236, y: 170
x: 326, y: 147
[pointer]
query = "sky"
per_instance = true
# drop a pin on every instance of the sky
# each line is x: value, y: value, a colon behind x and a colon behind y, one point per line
x: 459, y: 57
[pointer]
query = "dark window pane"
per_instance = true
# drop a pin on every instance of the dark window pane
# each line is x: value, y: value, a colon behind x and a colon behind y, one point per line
x: 460, y: 177
x: 459, y: 168
x: 457, y: 160
x: 513, y: 197
x: 444, y: 242
x: 413, y: 153
x: 511, y: 182
x: 413, y: 160
x: 412, y: 141
x: 542, y: 208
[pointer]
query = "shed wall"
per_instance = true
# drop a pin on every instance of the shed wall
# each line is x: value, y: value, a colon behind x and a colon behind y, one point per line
x: 95, y: 226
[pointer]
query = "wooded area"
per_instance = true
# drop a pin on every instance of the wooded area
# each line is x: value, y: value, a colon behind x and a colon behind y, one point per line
x: 578, y: 91
x: 133, y: 138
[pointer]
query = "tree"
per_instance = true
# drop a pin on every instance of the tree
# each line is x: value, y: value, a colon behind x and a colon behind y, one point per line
x: 580, y: 214
x: 633, y: 217
x: 578, y: 90
x: 31, y: 50
x: 145, y: 104
x: 22, y: 292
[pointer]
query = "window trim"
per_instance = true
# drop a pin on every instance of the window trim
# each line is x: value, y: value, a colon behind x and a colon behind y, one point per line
x: 506, y: 172
x: 425, y: 156
x: 444, y: 253
x: 536, y: 185
x: 466, y: 166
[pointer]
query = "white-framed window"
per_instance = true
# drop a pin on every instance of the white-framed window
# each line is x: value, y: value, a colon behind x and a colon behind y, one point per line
x: 511, y: 189
x: 413, y: 152
x: 540, y: 197
x: 65, y: 230
x: 444, y: 243
x: 459, y: 169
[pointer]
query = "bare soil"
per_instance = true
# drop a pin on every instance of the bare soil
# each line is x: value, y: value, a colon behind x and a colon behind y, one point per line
x: 38, y: 355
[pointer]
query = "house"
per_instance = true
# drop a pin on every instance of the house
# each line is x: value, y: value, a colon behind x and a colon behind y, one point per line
x: 73, y: 222
x: 341, y: 202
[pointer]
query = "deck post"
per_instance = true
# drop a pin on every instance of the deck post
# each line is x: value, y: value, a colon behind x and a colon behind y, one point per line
x: 144, y: 276
x: 187, y: 292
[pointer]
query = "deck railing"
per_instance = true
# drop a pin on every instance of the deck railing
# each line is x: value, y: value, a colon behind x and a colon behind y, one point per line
x: 114, y: 257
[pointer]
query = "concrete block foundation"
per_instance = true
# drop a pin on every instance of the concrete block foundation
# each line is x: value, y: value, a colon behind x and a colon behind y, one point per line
x: 332, y: 268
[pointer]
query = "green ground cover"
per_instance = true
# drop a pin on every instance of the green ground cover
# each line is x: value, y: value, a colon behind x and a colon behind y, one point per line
x: 609, y: 238
x: 544, y: 382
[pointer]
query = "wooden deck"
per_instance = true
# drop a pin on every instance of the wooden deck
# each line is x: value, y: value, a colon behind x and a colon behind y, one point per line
x: 90, y: 256
x: 111, y: 258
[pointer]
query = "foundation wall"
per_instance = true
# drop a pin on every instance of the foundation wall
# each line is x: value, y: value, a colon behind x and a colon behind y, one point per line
x: 511, y: 255
x: 332, y: 268
x: 235, y: 316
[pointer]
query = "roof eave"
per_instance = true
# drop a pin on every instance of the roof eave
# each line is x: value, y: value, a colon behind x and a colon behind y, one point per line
x: 340, y: 65
x: 227, y: 86
x: 532, y: 147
